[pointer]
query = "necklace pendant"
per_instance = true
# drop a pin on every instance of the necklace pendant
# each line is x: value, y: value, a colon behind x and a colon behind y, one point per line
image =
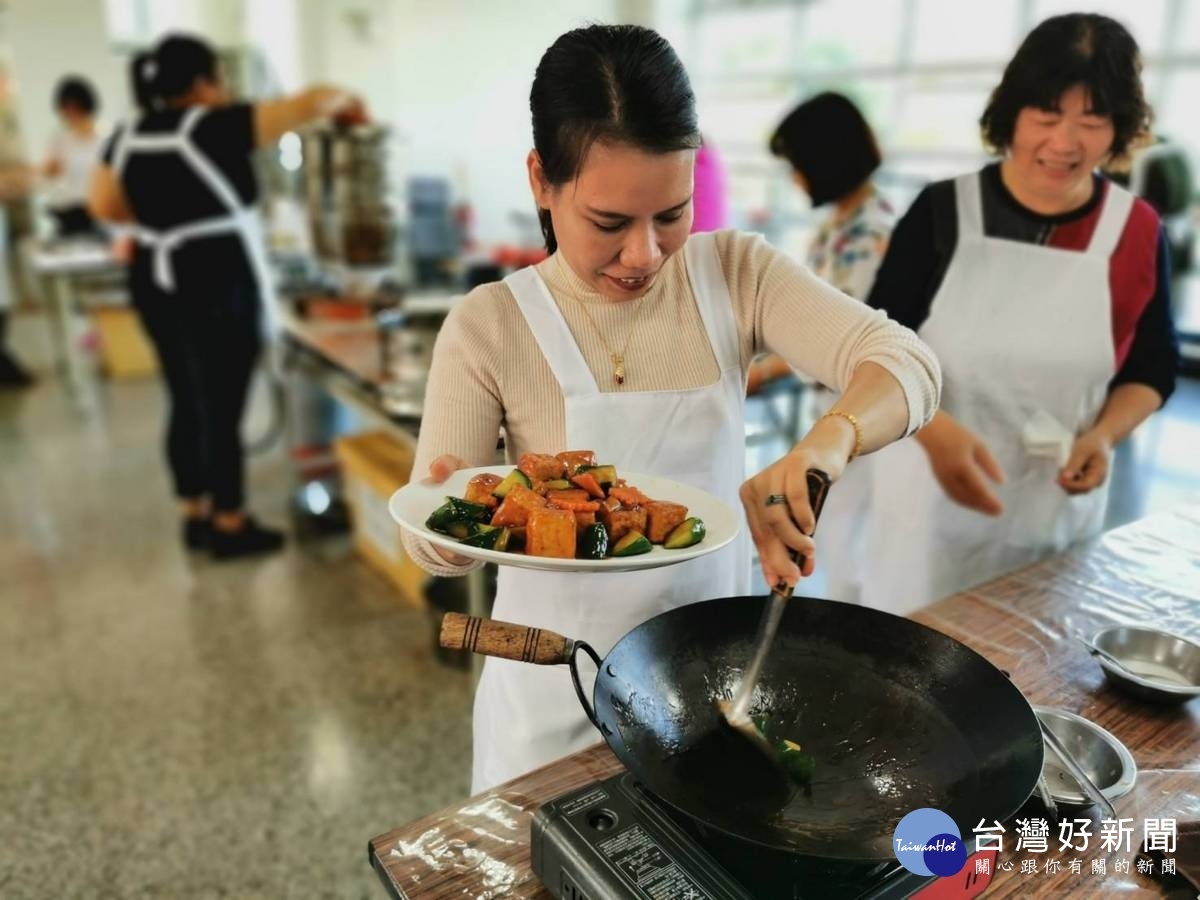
x: 618, y: 368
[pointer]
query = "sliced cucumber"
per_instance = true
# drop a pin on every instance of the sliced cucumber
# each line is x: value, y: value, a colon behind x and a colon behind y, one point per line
x: 488, y: 537
x: 454, y: 512
x: 557, y: 484
x: 461, y: 528
x: 632, y: 543
x: 515, y: 477
x: 593, y: 543
x: 799, y: 765
x: 688, y: 532
x: 606, y: 475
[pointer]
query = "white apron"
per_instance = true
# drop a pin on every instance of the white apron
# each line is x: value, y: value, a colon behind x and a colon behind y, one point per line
x: 1024, y: 336
x: 238, y: 219
x: 842, y: 546
x: 527, y: 715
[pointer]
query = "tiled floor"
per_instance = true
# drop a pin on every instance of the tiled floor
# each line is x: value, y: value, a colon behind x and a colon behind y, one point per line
x: 171, y: 727
x: 174, y: 728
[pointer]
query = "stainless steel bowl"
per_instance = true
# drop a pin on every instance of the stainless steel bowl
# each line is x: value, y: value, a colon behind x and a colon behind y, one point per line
x: 1103, y: 758
x: 1162, y: 667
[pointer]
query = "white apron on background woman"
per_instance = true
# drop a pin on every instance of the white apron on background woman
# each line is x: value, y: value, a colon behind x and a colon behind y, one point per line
x: 527, y: 715
x: 1024, y: 336
x: 842, y: 549
x: 239, y: 219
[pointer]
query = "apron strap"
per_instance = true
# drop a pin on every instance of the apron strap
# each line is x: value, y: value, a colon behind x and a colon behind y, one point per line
x: 969, y: 203
x: 562, y: 352
x: 202, y: 165
x: 712, y: 298
x: 1118, y: 203
x: 550, y: 331
x: 238, y: 218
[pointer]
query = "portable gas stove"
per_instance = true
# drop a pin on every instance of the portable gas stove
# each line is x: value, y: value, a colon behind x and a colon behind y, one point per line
x: 614, y: 839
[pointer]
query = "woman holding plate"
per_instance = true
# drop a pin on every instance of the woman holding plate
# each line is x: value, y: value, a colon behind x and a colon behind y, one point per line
x: 632, y: 339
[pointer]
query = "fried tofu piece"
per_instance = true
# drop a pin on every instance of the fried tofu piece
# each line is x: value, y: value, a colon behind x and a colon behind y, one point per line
x: 629, y: 496
x: 542, y: 467
x: 516, y: 506
x: 479, y: 490
x: 573, y: 459
x: 583, y: 521
x: 621, y: 520
x: 551, y: 532
x: 661, y: 518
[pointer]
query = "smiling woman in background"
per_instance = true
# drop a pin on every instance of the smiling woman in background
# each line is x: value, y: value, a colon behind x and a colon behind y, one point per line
x: 1044, y: 289
x: 632, y: 340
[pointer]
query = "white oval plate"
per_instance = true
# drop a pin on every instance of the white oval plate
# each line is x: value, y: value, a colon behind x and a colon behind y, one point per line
x: 411, y: 505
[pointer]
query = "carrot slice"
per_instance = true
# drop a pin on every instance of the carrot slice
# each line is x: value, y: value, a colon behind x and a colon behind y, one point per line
x: 588, y: 482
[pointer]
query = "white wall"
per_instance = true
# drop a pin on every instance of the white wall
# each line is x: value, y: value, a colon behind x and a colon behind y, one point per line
x: 454, y: 78
x: 47, y: 39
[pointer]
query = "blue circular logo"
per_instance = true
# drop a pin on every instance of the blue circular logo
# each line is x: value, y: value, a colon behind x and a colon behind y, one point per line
x: 927, y: 842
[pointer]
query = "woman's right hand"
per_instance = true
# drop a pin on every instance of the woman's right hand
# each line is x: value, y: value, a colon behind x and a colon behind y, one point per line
x: 439, y: 470
x: 962, y: 464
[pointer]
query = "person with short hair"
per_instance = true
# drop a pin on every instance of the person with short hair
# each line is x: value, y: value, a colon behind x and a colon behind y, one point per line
x: 73, y: 152
x: 833, y: 155
x: 632, y: 340
x: 1045, y: 290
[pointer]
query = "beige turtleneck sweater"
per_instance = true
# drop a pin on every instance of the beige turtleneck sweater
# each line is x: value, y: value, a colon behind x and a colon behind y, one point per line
x: 488, y: 372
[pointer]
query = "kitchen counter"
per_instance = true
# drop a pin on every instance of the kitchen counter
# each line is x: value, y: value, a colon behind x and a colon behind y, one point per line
x: 1146, y: 573
x: 66, y: 268
x: 352, y: 347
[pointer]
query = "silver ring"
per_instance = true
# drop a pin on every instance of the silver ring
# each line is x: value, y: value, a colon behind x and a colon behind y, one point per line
x: 776, y: 500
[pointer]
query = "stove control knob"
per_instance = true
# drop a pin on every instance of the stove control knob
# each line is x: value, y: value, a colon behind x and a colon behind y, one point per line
x: 604, y: 820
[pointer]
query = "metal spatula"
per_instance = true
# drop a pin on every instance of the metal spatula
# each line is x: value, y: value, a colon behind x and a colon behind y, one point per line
x: 737, y: 711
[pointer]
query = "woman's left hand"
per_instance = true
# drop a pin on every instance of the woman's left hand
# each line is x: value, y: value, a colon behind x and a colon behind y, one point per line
x: 780, y: 528
x: 1087, y: 466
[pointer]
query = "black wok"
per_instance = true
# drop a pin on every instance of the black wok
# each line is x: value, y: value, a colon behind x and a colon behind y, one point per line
x: 896, y: 716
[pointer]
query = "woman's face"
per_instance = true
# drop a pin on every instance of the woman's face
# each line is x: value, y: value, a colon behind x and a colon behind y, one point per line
x: 73, y: 115
x: 1054, y: 152
x: 622, y: 216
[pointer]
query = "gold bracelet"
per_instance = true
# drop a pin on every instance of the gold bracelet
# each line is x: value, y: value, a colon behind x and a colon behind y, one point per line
x: 858, y: 435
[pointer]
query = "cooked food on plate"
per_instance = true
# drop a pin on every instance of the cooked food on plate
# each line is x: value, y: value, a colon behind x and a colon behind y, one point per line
x: 566, y: 506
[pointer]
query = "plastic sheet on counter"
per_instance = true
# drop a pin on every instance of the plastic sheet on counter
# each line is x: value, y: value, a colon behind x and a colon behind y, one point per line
x: 475, y: 842
x: 480, y: 848
x: 1155, y: 797
x: 1032, y: 623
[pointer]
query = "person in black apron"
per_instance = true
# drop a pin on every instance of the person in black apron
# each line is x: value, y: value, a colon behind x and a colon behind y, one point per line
x: 1044, y: 288
x: 182, y: 175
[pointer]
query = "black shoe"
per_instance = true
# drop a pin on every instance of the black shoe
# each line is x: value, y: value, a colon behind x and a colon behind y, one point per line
x: 196, y: 533
x: 249, y: 540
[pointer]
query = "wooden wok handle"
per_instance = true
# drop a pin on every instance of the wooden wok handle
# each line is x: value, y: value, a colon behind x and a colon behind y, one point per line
x: 505, y: 640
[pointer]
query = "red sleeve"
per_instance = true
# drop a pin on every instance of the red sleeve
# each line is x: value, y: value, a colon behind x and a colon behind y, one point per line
x: 1133, y: 275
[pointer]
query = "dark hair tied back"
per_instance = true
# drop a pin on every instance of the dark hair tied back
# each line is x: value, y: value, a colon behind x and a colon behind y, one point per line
x: 179, y: 59
x: 609, y: 83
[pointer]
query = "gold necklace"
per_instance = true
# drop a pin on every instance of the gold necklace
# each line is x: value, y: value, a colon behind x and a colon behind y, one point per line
x: 618, y: 359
